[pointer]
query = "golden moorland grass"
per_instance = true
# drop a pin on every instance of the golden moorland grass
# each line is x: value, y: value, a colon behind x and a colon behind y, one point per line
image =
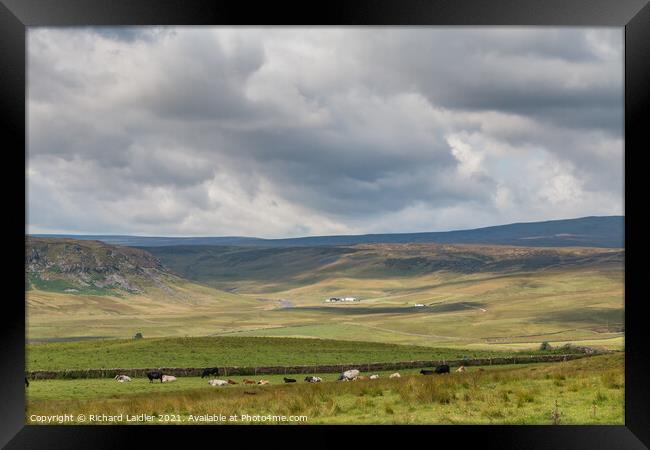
x: 472, y: 310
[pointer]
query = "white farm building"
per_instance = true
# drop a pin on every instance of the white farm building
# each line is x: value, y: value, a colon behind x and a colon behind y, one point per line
x: 341, y: 299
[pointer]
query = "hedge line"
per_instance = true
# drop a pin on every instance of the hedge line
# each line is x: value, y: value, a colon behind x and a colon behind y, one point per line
x: 322, y: 368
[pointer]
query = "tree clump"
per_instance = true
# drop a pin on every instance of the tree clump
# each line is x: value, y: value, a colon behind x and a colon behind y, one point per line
x: 545, y: 346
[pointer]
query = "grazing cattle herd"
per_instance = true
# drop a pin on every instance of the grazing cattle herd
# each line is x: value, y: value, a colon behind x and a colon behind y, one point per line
x: 348, y: 375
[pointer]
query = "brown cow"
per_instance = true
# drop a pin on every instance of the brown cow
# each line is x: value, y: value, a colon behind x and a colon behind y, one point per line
x: 249, y: 382
x: 232, y: 382
x: 362, y: 378
x: 263, y: 382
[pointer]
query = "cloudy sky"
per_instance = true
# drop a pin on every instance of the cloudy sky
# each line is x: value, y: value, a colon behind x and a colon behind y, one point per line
x: 282, y: 132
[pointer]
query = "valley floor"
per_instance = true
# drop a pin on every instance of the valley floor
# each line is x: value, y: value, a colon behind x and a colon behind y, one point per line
x: 474, y: 311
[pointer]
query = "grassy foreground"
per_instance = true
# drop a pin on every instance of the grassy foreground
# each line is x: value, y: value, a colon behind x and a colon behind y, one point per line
x: 230, y: 351
x: 586, y: 391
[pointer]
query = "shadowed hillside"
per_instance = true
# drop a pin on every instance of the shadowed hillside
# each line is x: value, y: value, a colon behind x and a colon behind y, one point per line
x: 228, y: 266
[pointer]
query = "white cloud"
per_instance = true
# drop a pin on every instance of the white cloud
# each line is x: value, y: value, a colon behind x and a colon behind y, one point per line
x: 469, y: 160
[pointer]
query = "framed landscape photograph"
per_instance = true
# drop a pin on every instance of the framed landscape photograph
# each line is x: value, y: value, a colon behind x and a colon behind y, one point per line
x: 391, y: 214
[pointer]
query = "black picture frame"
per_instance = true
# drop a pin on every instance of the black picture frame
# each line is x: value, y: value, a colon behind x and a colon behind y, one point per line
x: 16, y: 15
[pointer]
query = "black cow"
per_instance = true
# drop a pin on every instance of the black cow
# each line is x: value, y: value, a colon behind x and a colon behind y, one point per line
x: 26, y: 382
x: 155, y: 375
x: 427, y: 372
x: 442, y: 369
x: 210, y: 371
x: 289, y: 380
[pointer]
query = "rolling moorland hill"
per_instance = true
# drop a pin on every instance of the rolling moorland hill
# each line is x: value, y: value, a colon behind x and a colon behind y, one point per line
x: 285, y: 267
x: 606, y: 231
x: 88, y: 290
x: 90, y: 267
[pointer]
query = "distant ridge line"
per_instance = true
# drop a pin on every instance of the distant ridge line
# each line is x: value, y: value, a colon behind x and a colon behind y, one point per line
x: 591, y: 231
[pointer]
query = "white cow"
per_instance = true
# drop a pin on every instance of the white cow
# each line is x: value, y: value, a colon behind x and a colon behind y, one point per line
x: 122, y: 378
x: 168, y: 378
x: 349, y: 374
x: 218, y: 383
x: 395, y: 375
x: 374, y: 377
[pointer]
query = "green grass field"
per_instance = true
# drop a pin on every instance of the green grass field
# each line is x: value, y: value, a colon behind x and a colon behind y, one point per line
x: 230, y: 351
x: 585, y: 391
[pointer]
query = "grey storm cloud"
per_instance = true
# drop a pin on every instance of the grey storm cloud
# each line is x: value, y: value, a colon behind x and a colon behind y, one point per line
x: 555, y: 76
x: 278, y: 132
